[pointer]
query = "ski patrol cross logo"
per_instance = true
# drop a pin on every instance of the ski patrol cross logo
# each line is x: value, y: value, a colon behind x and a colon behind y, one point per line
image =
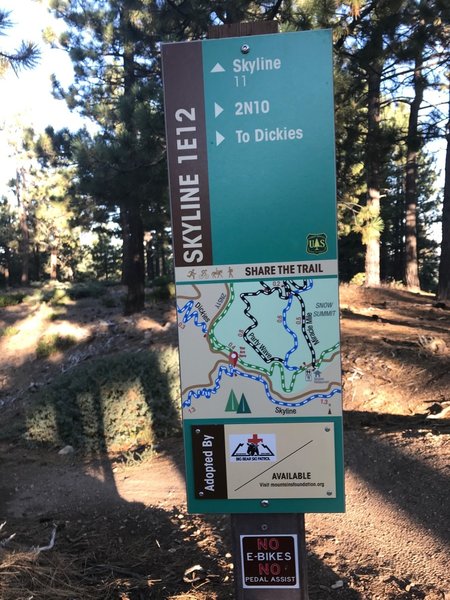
x: 252, y: 447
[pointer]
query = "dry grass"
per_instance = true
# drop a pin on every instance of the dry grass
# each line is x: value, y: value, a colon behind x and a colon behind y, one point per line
x: 27, y: 575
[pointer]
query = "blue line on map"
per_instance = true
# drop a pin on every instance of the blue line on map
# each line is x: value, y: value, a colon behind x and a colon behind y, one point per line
x: 231, y: 371
x: 297, y: 293
x: 192, y: 314
x: 293, y: 334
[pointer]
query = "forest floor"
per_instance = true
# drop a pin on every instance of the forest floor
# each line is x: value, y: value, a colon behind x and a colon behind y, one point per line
x: 122, y: 527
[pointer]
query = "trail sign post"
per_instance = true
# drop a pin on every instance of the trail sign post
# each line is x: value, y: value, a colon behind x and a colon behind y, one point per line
x: 250, y: 140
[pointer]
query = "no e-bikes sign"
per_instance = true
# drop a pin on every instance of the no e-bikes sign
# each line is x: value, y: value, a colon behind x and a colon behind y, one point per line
x: 269, y: 562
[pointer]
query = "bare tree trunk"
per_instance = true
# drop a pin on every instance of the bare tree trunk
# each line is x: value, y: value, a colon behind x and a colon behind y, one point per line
x: 53, y: 263
x: 444, y: 265
x: 7, y: 268
x: 413, y: 143
x: 24, y: 242
x: 372, y: 234
x: 134, y: 259
x: 134, y: 267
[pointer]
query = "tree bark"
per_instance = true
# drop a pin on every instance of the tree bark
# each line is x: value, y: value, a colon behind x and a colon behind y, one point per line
x: 372, y: 234
x: 24, y: 242
x: 444, y: 264
x: 134, y: 264
x: 7, y: 269
x: 411, y: 276
x: 53, y: 263
x: 134, y: 261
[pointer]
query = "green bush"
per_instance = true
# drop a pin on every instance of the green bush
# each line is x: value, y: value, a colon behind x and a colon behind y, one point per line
x: 110, y: 301
x: 89, y: 289
x: 113, y: 403
x: 163, y: 293
x: 11, y: 299
x: 9, y: 331
x: 50, y: 344
x: 60, y: 297
x: 58, y: 314
x: 358, y: 279
x: 52, y: 294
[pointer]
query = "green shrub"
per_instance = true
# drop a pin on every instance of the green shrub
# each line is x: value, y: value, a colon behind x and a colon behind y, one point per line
x: 110, y: 301
x: 56, y: 315
x: 9, y: 331
x: 53, y: 293
x: 59, y: 297
x: 11, y: 299
x: 113, y: 403
x: 89, y: 289
x: 163, y: 293
x: 358, y: 279
x: 50, y: 344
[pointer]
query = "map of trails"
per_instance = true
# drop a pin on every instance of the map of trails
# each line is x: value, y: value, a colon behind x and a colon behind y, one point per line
x: 260, y: 348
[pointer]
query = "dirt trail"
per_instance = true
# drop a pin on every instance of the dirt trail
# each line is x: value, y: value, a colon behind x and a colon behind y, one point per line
x: 393, y: 541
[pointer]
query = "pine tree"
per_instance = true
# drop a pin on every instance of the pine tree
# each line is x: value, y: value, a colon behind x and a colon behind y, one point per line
x: 118, y: 85
x: 25, y: 56
x: 232, y: 403
x: 444, y: 264
x: 243, y: 407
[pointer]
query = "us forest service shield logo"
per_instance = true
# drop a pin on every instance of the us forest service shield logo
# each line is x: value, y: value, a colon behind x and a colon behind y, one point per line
x: 316, y: 243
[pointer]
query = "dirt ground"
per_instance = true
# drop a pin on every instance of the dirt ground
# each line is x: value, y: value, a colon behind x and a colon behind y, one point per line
x: 122, y: 530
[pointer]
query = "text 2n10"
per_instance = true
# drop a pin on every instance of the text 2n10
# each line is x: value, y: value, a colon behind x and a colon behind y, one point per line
x: 252, y: 107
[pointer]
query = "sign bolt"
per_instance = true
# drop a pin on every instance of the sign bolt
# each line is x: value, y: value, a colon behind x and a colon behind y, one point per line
x: 264, y: 527
x: 201, y: 493
x: 329, y: 493
x: 245, y: 48
x: 197, y: 431
x: 265, y: 503
x: 327, y: 429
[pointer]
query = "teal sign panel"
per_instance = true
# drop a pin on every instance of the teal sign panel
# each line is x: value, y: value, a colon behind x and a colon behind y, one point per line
x: 251, y: 169
x: 273, y: 171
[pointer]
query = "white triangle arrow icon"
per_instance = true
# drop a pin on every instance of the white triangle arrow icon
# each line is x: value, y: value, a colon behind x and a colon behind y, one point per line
x: 217, y: 109
x: 217, y: 68
x: 219, y: 138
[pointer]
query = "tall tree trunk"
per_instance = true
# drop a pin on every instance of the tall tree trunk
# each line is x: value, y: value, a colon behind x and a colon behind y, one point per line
x: 134, y: 261
x: 125, y: 250
x: 7, y: 269
x: 36, y: 263
x: 444, y: 264
x: 372, y: 233
x: 413, y: 142
x: 399, y: 233
x: 53, y: 263
x: 134, y: 267
x: 24, y: 242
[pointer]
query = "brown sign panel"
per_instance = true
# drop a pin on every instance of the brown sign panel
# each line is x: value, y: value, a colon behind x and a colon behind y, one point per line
x: 208, y: 449
x: 269, y: 561
x: 187, y: 155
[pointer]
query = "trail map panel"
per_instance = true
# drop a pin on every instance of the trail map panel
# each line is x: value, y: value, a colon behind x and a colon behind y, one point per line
x: 251, y: 168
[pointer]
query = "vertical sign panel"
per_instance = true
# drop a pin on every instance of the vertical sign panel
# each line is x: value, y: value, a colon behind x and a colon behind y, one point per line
x: 251, y: 160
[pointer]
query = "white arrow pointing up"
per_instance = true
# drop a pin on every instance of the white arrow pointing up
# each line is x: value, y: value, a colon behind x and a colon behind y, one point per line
x: 217, y: 68
x: 219, y: 138
x: 217, y: 109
